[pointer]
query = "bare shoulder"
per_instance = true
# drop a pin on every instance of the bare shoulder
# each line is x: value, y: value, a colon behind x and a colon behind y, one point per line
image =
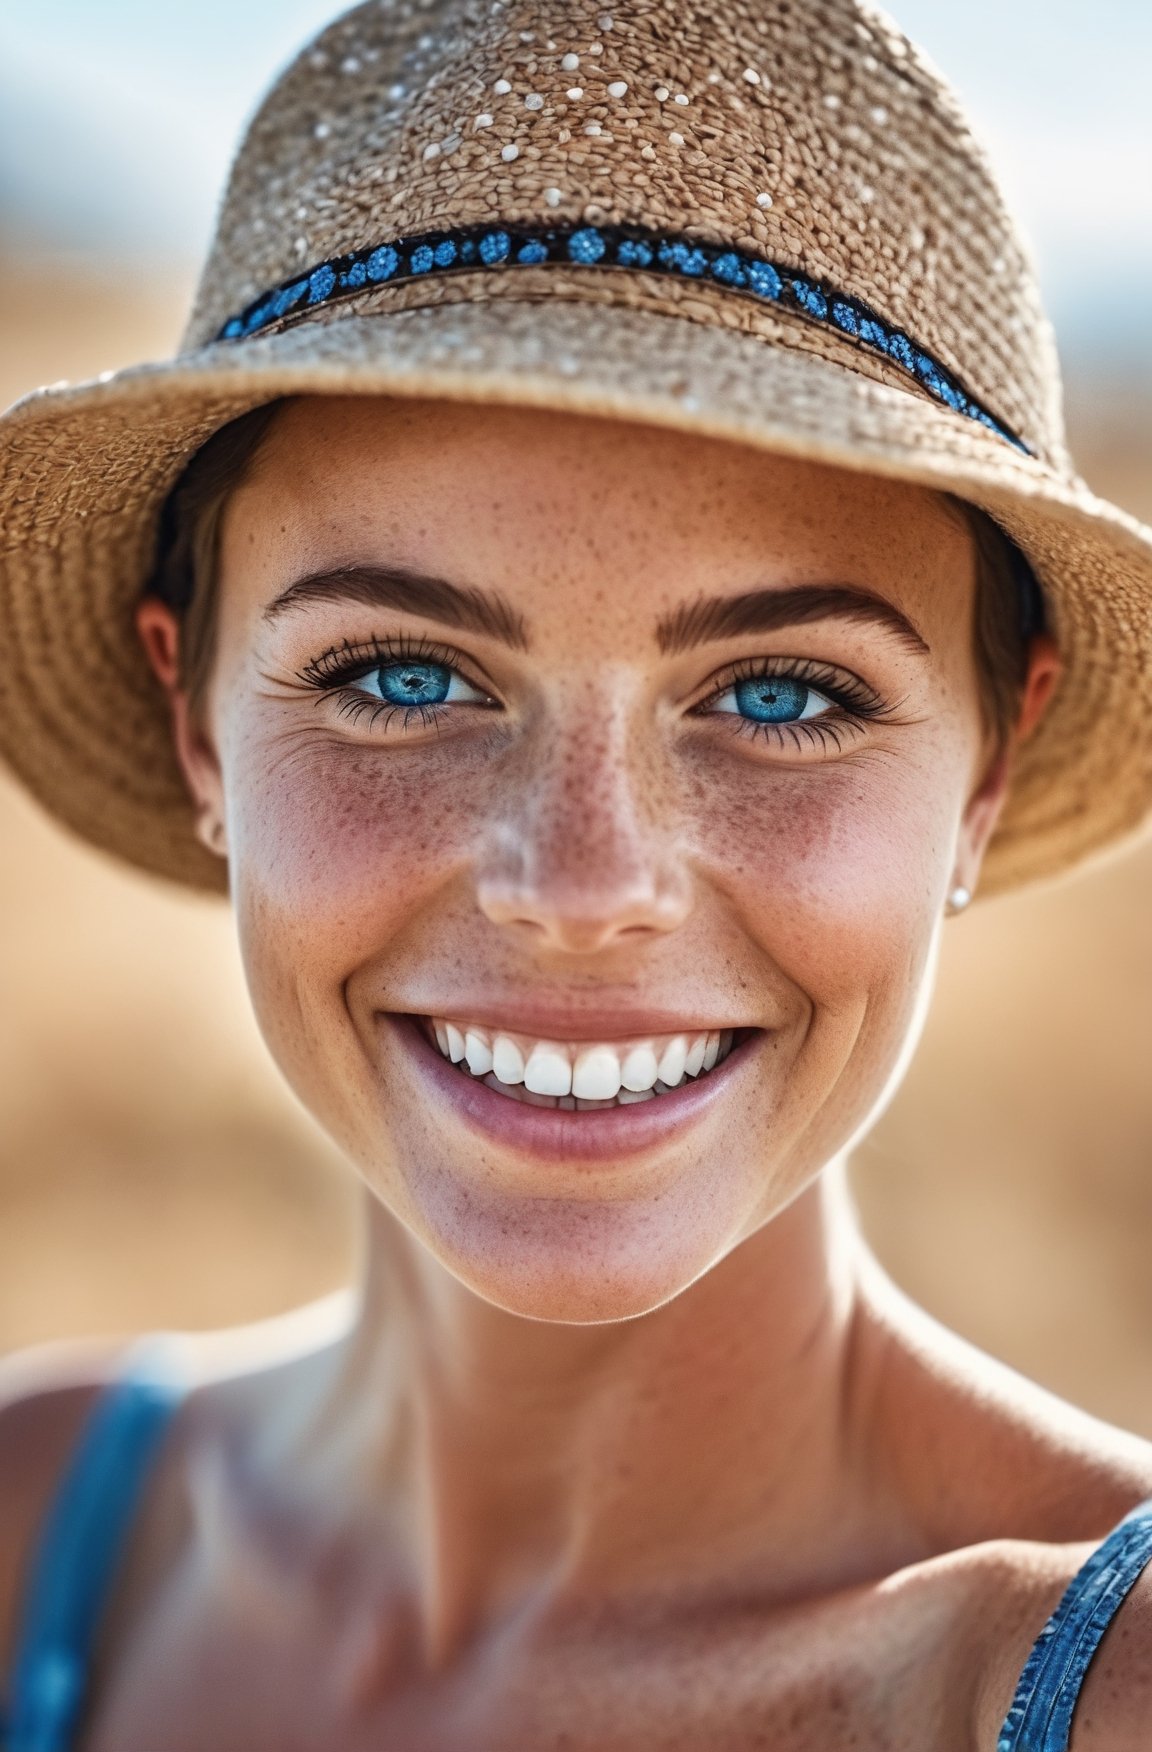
x: 234, y: 1376
x: 1012, y: 1591
x: 1041, y: 1484
x: 45, y: 1395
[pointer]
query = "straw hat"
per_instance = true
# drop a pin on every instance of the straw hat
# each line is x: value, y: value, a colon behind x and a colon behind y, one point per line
x: 764, y: 219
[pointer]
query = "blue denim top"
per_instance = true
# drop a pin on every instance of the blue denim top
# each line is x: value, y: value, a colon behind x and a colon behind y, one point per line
x: 74, y: 1566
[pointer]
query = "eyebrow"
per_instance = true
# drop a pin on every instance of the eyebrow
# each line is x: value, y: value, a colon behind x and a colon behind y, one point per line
x: 396, y: 587
x: 693, y: 623
x: 766, y: 611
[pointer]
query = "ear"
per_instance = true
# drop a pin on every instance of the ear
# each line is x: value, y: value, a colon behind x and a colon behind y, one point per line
x: 1044, y: 670
x: 987, y: 801
x: 159, y: 630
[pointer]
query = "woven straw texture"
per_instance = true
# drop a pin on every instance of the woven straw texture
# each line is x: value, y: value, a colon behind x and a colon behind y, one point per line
x: 813, y: 135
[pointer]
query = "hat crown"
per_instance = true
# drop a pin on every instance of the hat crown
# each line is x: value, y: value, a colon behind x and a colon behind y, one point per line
x: 810, y: 134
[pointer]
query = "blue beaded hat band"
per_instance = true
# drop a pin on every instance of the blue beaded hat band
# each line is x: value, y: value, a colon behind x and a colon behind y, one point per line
x: 475, y: 248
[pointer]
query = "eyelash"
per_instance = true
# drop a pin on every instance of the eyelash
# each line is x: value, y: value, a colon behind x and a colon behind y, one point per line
x: 856, y: 703
x: 341, y: 665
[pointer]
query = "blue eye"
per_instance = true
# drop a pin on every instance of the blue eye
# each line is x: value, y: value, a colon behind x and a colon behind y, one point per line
x: 772, y: 699
x: 417, y: 684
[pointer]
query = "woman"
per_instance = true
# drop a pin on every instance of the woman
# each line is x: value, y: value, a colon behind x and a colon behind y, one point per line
x: 600, y: 582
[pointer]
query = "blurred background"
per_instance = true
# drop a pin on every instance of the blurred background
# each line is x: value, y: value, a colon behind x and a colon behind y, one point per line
x: 152, y: 1169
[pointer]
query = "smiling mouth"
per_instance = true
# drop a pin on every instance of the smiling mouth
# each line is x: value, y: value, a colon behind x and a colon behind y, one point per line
x: 580, y: 1076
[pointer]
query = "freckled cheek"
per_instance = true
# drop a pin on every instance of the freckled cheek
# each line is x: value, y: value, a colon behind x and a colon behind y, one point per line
x: 834, y: 870
x: 343, y: 844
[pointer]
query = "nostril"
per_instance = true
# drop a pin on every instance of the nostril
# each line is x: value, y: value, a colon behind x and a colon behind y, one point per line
x: 578, y: 934
x: 578, y: 920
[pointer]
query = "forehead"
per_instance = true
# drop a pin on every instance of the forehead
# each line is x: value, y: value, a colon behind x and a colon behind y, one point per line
x: 491, y: 493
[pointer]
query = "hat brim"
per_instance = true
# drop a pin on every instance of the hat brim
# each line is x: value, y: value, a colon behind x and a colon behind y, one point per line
x: 84, y: 471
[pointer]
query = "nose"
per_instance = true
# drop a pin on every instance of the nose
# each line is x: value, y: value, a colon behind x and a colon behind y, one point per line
x: 585, y: 857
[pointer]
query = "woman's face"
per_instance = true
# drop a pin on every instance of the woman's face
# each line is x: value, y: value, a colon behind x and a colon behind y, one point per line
x: 568, y: 735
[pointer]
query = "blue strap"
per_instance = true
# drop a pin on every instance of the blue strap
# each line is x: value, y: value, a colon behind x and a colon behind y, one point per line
x: 81, y: 1541
x: 1040, y: 1719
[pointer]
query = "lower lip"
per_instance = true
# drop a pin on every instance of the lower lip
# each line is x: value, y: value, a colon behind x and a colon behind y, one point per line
x: 556, y: 1133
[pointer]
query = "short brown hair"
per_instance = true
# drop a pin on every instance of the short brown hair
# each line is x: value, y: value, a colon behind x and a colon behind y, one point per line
x: 1009, y: 608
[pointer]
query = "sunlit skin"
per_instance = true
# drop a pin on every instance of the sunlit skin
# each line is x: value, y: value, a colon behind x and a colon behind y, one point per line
x: 585, y: 841
x: 628, y: 1446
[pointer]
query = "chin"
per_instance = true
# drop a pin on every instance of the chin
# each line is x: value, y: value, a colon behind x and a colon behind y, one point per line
x: 572, y: 1262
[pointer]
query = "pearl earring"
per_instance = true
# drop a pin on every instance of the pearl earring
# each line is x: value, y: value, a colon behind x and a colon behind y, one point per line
x: 958, y: 899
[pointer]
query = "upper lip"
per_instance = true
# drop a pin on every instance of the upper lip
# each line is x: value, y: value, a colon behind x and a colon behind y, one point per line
x: 550, y: 1021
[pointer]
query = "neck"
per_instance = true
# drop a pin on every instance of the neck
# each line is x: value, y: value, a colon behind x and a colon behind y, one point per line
x: 707, y: 1444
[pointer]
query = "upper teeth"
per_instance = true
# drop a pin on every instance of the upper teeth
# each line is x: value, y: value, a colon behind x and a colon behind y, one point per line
x: 585, y: 1070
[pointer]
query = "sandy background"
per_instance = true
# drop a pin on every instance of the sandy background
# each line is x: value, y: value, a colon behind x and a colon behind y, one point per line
x: 153, y: 1171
